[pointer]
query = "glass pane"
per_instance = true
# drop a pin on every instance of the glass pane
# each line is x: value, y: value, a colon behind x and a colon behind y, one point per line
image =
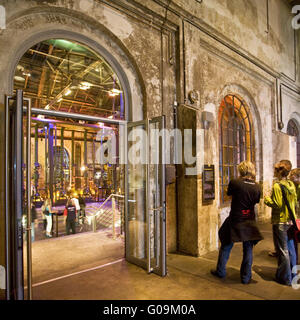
x: 154, y: 193
x: 137, y: 194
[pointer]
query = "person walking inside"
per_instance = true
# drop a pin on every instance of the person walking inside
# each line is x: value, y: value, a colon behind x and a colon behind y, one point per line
x: 70, y: 217
x: 240, y: 225
x: 283, y: 195
x: 34, y: 221
x: 47, y: 211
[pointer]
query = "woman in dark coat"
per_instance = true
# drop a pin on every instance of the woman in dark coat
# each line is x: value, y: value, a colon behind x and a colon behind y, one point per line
x: 240, y: 226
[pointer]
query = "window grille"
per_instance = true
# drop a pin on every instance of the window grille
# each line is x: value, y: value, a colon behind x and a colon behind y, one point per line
x: 236, y: 140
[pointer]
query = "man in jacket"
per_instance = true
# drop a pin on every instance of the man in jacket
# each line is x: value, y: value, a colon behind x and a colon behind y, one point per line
x: 70, y: 217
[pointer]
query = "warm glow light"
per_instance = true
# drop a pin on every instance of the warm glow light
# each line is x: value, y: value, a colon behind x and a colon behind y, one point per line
x: 68, y: 92
x: 59, y: 100
x: 83, y: 168
x: 101, y: 124
x: 85, y: 85
x: 116, y: 91
x: 110, y: 117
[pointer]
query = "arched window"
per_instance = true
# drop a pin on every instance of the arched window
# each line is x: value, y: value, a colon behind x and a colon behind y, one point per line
x: 236, y: 139
x: 293, y: 130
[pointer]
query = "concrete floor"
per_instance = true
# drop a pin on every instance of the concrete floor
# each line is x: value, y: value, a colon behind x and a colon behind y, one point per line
x: 92, y: 266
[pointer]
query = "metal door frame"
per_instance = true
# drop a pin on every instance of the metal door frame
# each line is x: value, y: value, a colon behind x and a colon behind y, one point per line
x: 161, y: 210
x: 13, y: 188
x: 121, y: 123
x: 8, y: 207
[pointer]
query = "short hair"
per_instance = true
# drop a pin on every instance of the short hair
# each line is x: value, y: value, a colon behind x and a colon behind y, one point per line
x: 283, y: 167
x: 247, y: 169
x: 294, y: 174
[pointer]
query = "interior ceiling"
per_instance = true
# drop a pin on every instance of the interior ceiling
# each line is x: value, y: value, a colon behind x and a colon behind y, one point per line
x: 66, y: 76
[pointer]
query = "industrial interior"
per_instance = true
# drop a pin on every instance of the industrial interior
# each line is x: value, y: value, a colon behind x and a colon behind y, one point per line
x: 65, y: 76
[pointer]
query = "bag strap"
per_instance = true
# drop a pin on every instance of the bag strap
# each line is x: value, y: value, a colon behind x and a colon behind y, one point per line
x: 292, y: 217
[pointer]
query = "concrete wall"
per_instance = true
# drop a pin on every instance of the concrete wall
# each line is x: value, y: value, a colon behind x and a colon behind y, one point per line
x: 162, y: 50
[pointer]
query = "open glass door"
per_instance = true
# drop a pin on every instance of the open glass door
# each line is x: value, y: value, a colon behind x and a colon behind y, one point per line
x: 14, y: 197
x: 145, y: 220
x: 17, y: 198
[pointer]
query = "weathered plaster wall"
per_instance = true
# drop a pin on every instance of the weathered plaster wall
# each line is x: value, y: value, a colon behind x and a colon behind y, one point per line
x: 215, y: 72
x: 261, y: 31
x: 164, y: 49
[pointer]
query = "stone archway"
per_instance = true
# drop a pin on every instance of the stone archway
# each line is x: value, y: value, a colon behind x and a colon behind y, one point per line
x: 35, y: 26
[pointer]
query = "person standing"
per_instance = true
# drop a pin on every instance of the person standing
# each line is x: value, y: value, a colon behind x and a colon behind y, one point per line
x: 294, y: 234
x: 33, y: 220
x: 75, y: 201
x: 70, y: 217
x: 281, y: 221
x: 240, y: 225
x: 47, y: 211
x: 82, y: 205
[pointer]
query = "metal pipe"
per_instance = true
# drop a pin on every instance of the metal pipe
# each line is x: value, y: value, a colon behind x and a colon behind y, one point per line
x: 29, y: 217
x: 72, y: 159
x: 76, y: 116
x: 113, y: 217
x: 36, y: 156
x: 62, y: 175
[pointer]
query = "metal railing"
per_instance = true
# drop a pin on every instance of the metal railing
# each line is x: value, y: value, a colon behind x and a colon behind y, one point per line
x: 109, y: 215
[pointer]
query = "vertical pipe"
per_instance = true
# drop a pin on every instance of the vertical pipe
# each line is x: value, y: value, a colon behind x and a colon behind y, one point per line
x: 50, y: 156
x: 114, y: 217
x: 72, y: 159
x: 46, y: 163
x: 36, y: 156
x: 62, y: 158
x: 85, y: 161
x: 29, y: 218
x: 55, y: 166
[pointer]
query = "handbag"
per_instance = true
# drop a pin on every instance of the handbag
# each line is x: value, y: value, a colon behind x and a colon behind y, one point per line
x: 296, y: 222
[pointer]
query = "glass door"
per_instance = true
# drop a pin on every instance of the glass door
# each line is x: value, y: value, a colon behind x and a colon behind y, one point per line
x: 14, y: 196
x: 145, y: 221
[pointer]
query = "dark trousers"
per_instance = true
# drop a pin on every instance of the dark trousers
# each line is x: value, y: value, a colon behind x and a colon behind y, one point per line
x: 70, y: 224
x: 286, y: 253
x: 246, y: 266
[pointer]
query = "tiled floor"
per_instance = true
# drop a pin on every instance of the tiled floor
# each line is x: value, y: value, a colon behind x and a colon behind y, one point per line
x: 92, y: 266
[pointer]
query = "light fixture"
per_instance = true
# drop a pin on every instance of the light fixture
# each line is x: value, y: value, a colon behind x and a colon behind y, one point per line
x: 67, y: 92
x: 114, y: 92
x: 27, y: 74
x: 19, y: 78
x: 84, y: 85
x: 83, y: 168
